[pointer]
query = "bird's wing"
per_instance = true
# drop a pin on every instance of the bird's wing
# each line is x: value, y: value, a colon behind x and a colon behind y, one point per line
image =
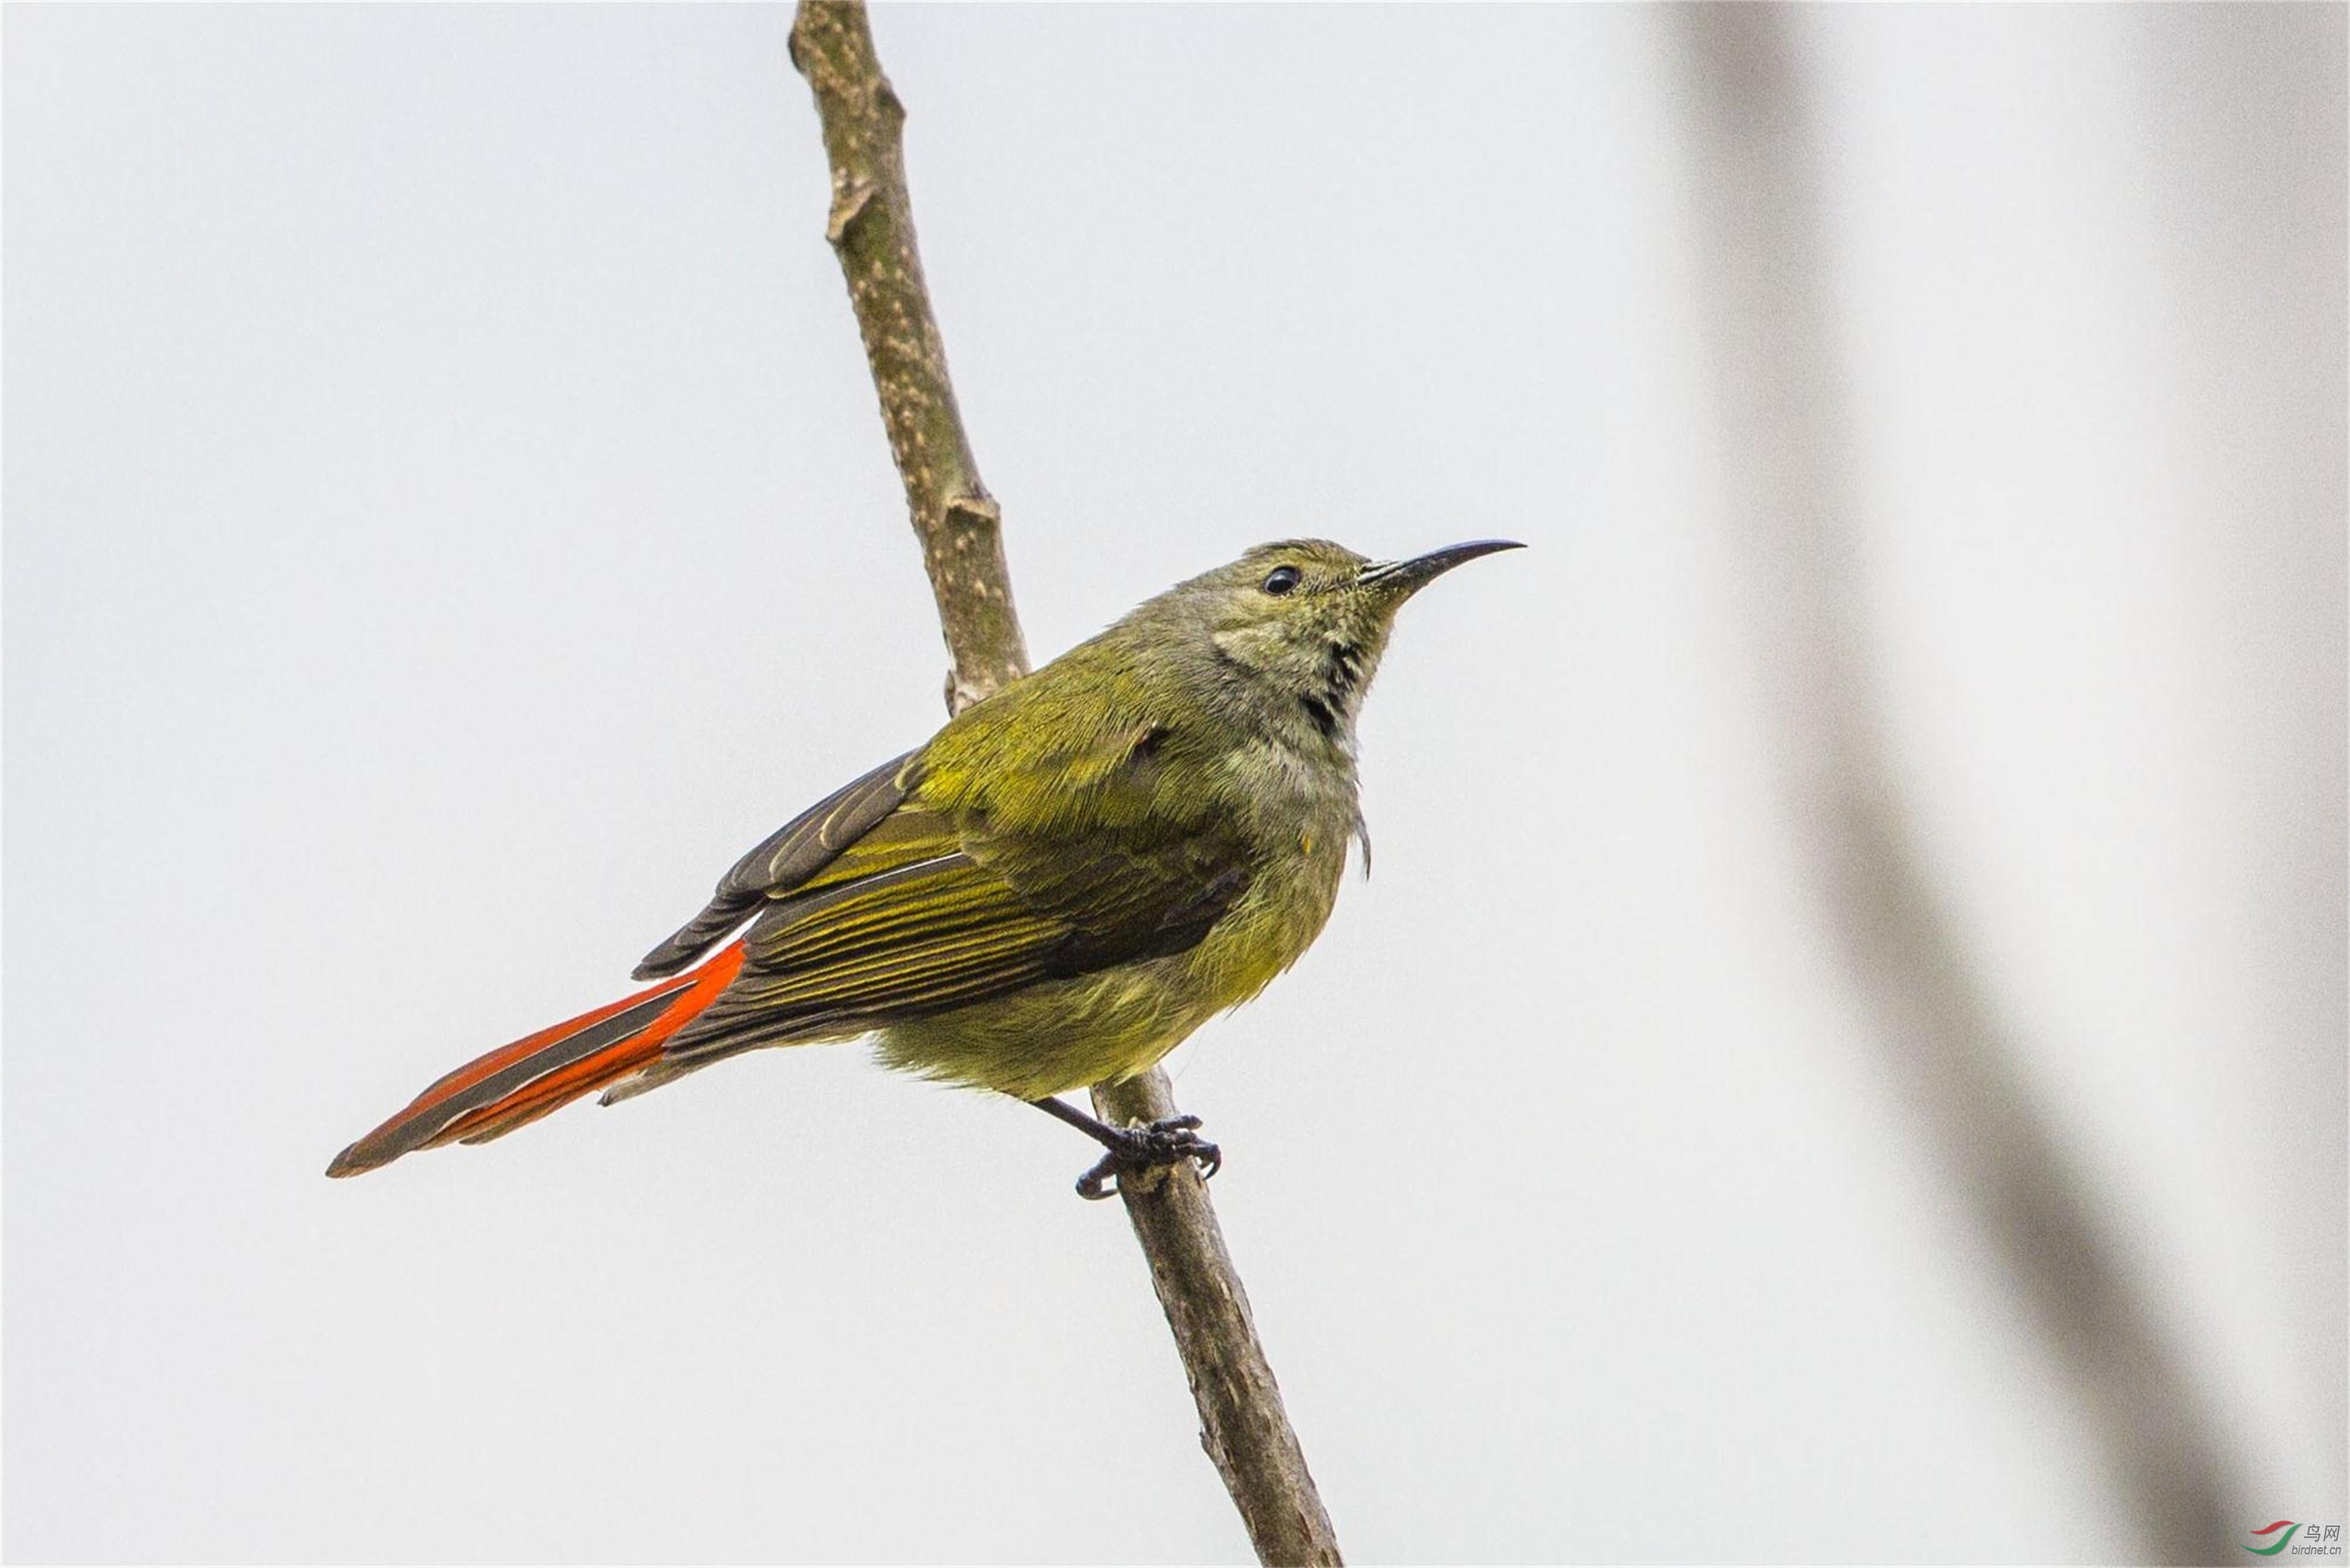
x: 936, y: 907
x: 785, y: 860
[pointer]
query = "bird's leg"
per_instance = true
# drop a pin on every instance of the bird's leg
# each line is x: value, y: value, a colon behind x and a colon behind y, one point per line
x: 1169, y: 1141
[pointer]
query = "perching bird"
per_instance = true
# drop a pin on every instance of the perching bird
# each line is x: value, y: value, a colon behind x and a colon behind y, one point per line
x: 1061, y: 886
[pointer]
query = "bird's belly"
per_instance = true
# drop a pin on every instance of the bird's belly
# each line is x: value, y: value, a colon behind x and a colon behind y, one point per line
x: 1064, y: 1035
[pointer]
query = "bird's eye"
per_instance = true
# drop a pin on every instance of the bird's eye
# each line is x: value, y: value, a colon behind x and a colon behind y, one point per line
x: 1282, y: 579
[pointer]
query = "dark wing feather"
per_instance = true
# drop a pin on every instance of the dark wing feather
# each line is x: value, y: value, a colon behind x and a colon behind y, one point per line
x: 958, y: 920
x: 788, y: 857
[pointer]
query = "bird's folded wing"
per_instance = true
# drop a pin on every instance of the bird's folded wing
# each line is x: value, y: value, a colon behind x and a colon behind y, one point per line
x: 916, y: 918
x: 785, y: 860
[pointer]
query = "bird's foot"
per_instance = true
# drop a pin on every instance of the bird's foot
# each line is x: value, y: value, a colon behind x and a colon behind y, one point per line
x: 1153, y: 1148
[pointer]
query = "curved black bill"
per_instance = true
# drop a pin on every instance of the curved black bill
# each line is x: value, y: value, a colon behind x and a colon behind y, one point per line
x: 1410, y: 575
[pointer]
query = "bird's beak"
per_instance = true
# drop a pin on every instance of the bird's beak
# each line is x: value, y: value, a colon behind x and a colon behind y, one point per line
x: 1404, y: 578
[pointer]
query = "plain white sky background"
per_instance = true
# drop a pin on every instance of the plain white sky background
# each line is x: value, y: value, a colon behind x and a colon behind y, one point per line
x: 447, y: 521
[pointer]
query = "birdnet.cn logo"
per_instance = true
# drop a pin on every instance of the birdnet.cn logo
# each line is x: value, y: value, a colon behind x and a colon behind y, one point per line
x: 2286, y: 1538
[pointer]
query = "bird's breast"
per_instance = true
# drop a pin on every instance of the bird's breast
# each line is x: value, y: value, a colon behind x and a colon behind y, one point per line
x: 1289, y: 897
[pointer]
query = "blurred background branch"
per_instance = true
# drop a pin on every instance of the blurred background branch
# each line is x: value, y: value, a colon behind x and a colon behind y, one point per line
x: 1785, y: 435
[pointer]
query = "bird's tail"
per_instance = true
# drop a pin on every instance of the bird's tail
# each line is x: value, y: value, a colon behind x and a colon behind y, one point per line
x: 515, y: 1085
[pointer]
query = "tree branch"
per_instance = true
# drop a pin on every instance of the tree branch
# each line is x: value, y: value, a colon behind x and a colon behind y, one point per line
x: 1243, y: 1428
x: 1241, y: 1422
x: 871, y: 228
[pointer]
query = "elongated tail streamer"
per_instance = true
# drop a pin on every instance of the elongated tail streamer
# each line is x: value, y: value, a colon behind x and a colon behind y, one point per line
x: 515, y: 1085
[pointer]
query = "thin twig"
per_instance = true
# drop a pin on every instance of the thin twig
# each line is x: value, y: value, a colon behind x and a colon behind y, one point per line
x: 1783, y: 420
x: 1244, y: 1427
x: 871, y: 227
x: 1241, y: 1422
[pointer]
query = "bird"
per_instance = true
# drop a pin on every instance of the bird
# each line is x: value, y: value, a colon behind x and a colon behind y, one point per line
x: 1052, y: 892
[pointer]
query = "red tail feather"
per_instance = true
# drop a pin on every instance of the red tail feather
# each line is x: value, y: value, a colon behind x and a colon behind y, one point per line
x: 518, y: 1084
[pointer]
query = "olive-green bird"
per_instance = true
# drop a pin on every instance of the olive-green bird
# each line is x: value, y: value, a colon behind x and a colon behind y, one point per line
x: 1055, y: 891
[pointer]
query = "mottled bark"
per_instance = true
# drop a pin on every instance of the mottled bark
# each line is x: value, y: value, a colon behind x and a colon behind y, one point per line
x: 1241, y: 1422
x: 1243, y: 1428
x: 871, y: 228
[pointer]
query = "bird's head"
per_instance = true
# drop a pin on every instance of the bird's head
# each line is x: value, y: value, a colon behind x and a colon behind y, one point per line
x: 1305, y: 620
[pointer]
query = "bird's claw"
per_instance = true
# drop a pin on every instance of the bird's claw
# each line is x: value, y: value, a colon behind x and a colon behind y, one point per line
x: 1170, y: 1141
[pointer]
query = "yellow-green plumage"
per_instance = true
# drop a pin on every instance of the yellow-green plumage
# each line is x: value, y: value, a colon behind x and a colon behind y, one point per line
x: 1076, y: 873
